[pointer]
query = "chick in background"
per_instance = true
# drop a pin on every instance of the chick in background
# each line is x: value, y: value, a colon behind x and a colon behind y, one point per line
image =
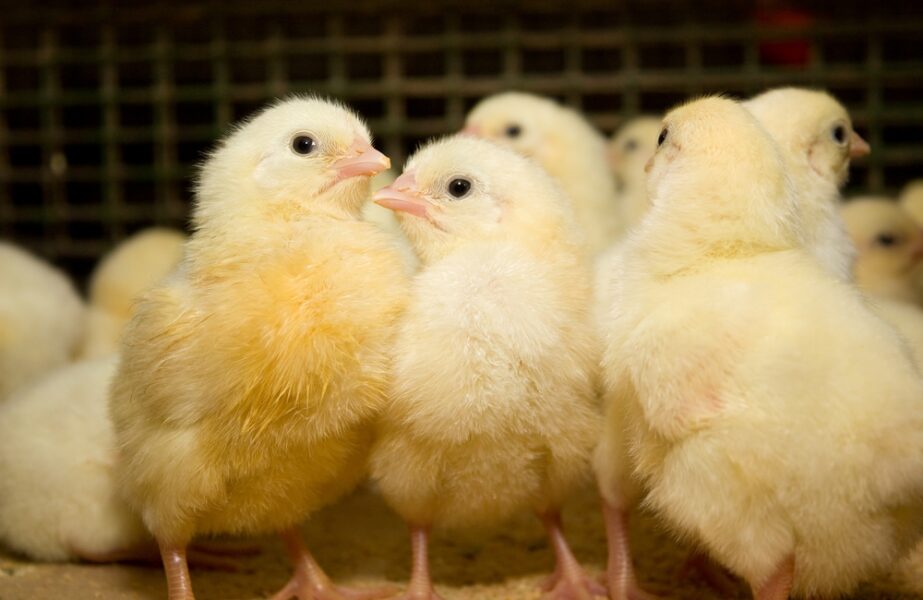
x: 493, y: 408
x: 251, y: 376
x: 817, y: 140
x: 41, y: 318
x: 629, y: 150
x: 911, y: 200
x: 564, y: 144
x: 130, y: 268
x: 736, y: 431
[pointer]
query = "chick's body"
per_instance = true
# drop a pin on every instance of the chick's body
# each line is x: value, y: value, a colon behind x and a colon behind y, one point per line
x: 797, y: 465
x: 250, y: 376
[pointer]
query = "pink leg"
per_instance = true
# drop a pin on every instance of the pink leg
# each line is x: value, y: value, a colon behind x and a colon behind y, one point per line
x: 568, y: 581
x: 179, y: 584
x: 309, y: 582
x: 779, y: 585
x: 620, y: 572
x: 421, y: 584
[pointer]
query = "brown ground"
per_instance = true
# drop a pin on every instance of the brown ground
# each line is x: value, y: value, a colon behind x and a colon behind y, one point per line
x: 361, y: 541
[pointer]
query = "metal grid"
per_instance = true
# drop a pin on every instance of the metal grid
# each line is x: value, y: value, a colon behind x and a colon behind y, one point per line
x: 105, y: 108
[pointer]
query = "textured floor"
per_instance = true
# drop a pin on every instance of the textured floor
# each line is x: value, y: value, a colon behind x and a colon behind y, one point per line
x: 361, y: 541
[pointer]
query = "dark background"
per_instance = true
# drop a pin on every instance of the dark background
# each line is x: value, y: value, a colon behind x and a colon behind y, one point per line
x: 105, y: 107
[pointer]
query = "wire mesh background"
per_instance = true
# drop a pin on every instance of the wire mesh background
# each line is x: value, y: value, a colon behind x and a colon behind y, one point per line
x: 106, y: 107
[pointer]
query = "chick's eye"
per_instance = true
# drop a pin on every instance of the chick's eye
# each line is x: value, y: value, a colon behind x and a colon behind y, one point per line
x: 839, y: 134
x: 303, y: 144
x: 459, y: 187
x: 886, y: 239
x: 663, y: 137
x: 631, y: 145
x: 513, y: 131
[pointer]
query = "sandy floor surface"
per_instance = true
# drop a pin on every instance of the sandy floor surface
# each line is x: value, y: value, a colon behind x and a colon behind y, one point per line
x: 360, y: 541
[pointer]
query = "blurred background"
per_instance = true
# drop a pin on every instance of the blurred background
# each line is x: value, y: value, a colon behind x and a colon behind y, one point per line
x: 106, y: 107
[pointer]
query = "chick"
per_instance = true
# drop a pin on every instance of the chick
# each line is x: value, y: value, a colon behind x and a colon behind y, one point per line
x: 567, y: 146
x: 58, y: 499
x: 786, y: 443
x: 385, y: 219
x: 630, y: 148
x: 911, y: 199
x: 492, y: 408
x: 41, y: 318
x: 889, y: 244
x: 251, y: 376
x: 817, y: 140
x: 131, y: 268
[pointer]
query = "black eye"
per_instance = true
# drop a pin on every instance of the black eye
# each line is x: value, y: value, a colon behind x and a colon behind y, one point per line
x: 513, y: 131
x: 459, y: 187
x: 303, y: 144
x: 631, y: 145
x: 839, y: 134
x: 886, y: 239
x: 663, y: 137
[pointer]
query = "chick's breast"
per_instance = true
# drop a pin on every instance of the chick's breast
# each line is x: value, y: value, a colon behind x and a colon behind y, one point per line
x: 492, y: 409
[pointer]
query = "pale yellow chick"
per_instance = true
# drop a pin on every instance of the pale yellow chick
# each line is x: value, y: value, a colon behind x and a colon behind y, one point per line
x: 911, y: 199
x: 132, y: 267
x: 493, y: 409
x: 567, y: 146
x: 773, y: 418
x: 251, y: 376
x: 41, y: 318
x: 817, y: 140
x: 629, y: 150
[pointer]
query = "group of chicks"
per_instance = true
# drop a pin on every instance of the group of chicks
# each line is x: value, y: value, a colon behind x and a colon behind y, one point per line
x: 678, y: 313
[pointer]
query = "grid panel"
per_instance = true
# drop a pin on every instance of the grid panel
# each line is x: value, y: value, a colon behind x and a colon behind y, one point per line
x: 105, y: 109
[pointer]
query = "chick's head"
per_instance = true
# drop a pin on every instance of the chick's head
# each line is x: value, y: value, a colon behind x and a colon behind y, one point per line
x: 296, y: 157
x: 813, y: 128
x: 462, y: 189
x: 718, y: 173
x: 631, y: 147
x: 888, y: 241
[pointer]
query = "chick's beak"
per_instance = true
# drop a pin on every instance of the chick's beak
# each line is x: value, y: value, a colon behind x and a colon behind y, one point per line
x: 401, y: 196
x: 857, y: 146
x: 361, y: 160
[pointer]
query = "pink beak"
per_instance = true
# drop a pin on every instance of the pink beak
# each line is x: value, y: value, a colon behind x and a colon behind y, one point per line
x: 857, y: 146
x: 471, y: 130
x: 361, y: 160
x: 400, y: 196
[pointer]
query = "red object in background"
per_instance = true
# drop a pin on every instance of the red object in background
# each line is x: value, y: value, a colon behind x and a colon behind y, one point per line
x: 791, y: 52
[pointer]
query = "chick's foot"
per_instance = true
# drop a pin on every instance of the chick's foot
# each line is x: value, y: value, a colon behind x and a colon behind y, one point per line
x: 421, y: 584
x: 569, y: 581
x: 620, y: 571
x: 309, y: 582
x: 179, y: 584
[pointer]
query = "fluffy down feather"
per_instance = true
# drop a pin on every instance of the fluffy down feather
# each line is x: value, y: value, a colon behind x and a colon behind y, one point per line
x: 762, y: 426
x: 41, y: 318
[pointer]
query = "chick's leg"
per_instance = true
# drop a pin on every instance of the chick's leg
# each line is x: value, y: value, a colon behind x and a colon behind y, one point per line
x: 620, y: 572
x: 309, y: 582
x: 179, y: 584
x: 779, y: 585
x: 421, y: 584
x: 569, y: 581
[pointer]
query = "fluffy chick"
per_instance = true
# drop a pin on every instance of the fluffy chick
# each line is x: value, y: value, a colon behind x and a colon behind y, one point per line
x: 251, y: 376
x: 131, y: 268
x: 794, y: 479
x: 911, y: 199
x: 816, y: 136
x: 889, y: 245
x: 41, y: 318
x: 567, y: 146
x: 629, y: 150
x: 493, y: 400
x: 58, y: 499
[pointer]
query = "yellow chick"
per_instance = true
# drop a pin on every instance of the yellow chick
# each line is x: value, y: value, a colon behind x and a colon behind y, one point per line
x: 911, y: 199
x: 817, y: 140
x: 492, y: 409
x: 251, y: 376
x: 567, y: 146
x: 630, y: 148
x: 58, y: 499
x: 785, y: 443
x: 889, y: 244
x: 41, y: 318
x: 131, y: 268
